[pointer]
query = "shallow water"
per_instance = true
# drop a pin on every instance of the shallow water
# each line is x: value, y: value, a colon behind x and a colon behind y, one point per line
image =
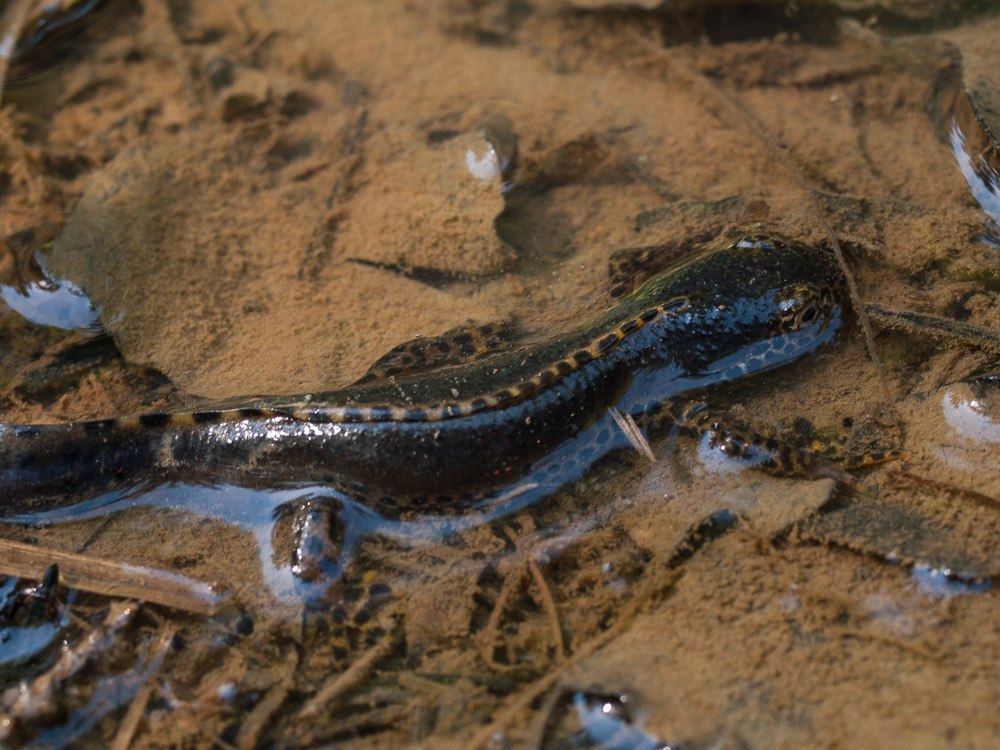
x: 265, y: 198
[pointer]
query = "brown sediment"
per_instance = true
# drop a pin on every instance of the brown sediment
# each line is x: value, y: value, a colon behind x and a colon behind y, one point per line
x: 222, y: 168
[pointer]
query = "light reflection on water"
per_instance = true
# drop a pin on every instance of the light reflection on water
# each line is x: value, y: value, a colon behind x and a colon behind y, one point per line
x: 257, y: 511
x: 48, y: 302
x: 984, y: 182
x: 969, y: 418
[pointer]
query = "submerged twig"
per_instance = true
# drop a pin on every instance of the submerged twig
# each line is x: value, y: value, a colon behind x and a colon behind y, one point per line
x: 549, y: 604
x: 36, y: 703
x: 11, y: 24
x: 255, y: 722
x: 933, y: 325
x: 126, y: 730
x: 336, y: 686
x: 899, y: 477
x: 521, y: 702
x: 102, y: 576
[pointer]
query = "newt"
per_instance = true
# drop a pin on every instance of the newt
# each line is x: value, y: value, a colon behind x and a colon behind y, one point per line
x: 464, y: 422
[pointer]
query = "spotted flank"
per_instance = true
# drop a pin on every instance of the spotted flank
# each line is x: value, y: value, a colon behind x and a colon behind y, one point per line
x: 163, y: 420
x: 588, y: 352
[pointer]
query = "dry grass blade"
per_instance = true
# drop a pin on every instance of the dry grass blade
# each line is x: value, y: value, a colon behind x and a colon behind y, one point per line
x: 110, y: 578
x: 633, y: 433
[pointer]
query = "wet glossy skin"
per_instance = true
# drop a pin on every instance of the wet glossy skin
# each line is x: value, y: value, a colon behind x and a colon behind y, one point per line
x: 446, y: 438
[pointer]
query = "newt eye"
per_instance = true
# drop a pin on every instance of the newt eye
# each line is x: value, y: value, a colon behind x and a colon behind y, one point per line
x: 802, y: 307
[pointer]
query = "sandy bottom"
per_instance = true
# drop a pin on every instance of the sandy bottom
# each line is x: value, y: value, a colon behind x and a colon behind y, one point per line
x: 263, y: 198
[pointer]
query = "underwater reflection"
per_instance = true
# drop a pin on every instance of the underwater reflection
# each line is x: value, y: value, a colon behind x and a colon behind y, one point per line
x: 607, y: 723
x: 984, y: 182
x: 265, y: 514
x: 968, y: 415
x: 944, y: 583
x: 48, y: 302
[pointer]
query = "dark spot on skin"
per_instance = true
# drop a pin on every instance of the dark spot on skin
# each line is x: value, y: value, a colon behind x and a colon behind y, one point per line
x: 486, y: 329
x: 649, y: 315
x: 467, y: 350
x: 414, y: 415
x: 654, y: 408
x: 452, y: 410
x: 388, y: 502
x: 244, y: 625
x: 206, y: 417
x: 444, y: 347
x: 503, y: 395
x: 546, y: 375
x: 563, y: 367
x: 361, y: 617
x: 463, y: 339
x: 479, y: 403
x: 340, y: 653
x: 379, y: 589
x: 154, y: 420
x: 251, y: 413
x: 607, y: 342
x: 771, y: 444
x: 353, y: 415
x: 338, y: 615
x: 95, y: 426
x: 582, y: 356
x: 378, y: 414
x: 418, y: 501
x: 629, y: 326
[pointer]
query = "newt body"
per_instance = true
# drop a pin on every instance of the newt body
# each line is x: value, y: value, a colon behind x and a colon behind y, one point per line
x: 440, y: 439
